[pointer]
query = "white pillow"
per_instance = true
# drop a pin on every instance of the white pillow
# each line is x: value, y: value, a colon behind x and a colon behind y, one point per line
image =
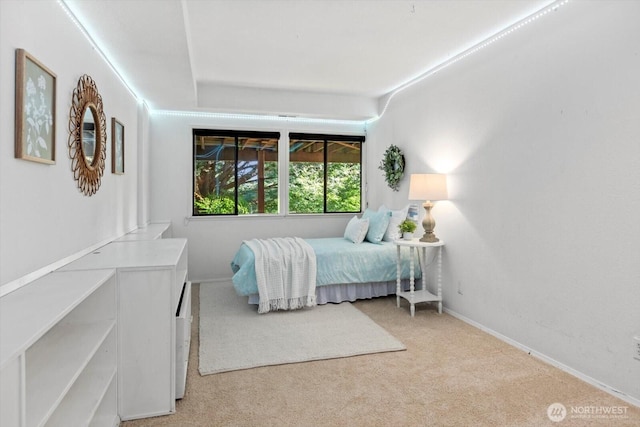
x: 356, y: 229
x: 393, y: 233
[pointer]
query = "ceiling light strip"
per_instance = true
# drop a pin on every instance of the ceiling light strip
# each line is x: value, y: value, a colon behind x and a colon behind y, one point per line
x: 93, y: 43
x: 481, y: 45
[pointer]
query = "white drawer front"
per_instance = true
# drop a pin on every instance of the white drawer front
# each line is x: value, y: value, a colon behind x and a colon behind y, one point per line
x: 183, y: 340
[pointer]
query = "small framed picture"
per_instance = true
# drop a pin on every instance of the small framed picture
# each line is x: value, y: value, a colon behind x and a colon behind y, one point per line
x: 117, y: 147
x: 35, y: 110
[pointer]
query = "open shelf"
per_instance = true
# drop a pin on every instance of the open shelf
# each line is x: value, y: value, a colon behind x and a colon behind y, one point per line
x: 87, y: 392
x: 420, y: 295
x: 61, y: 354
x: 105, y: 415
x: 53, y: 364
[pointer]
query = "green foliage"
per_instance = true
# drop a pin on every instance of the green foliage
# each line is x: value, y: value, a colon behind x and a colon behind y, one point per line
x: 343, y: 187
x: 215, y: 188
x: 248, y: 190
x: 306, y: 187
x: 393, y: 166
x: 407, y: 226
x: 212, y: 205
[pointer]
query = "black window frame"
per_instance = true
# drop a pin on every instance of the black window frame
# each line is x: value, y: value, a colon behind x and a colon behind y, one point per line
x: 327, y: 138
x: 236, y: 134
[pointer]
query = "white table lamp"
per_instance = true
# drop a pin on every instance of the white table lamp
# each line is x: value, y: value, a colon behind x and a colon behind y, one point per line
x: 429, y: 187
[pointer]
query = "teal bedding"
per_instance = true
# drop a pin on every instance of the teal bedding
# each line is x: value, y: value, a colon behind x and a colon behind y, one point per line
x: 339, y: 261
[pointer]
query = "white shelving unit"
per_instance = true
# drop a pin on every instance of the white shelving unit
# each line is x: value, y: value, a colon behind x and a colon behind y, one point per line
x: 58, y: 352
x: 151, y: 276
x: 155, y: 230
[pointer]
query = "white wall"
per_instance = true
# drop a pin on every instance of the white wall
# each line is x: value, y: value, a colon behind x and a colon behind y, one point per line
x: 296, y: 103
x: 212, y: 242
x: 43, y: 216
x: 538, y: 133
x: 540, y: 137
x: 143, y: 170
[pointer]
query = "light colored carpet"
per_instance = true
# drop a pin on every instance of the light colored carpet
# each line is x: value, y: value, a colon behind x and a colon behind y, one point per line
x: 451, y: 374
x: 234, y: 336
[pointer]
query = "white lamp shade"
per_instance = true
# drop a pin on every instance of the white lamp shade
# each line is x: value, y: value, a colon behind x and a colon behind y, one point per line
x: 428, y: 186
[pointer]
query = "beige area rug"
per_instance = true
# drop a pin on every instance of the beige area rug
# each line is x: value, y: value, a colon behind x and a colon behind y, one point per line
x: 234, y: 336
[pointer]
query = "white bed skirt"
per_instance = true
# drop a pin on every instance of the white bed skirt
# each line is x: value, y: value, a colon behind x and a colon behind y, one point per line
x: 350, y: 291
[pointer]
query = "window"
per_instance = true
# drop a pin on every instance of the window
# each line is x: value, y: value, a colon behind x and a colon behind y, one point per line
x: 235, y: 172
x: 325, y: 173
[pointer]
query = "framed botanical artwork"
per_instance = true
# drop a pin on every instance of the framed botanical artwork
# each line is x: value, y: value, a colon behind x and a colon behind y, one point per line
x: 117, y: 147
x: 35, y: 110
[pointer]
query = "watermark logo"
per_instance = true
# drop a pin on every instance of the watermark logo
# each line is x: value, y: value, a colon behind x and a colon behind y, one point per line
x: 556, y: 412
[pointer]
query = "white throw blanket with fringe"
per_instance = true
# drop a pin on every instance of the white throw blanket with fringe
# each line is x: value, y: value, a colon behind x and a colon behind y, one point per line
x: 285, y: 272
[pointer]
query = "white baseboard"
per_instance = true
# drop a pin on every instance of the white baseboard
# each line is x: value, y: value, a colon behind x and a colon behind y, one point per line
x: 610, y: 390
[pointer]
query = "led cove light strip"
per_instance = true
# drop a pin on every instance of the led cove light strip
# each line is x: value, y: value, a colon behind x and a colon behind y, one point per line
x: 550, y: 8
x: 93, y: 43
x: 542, y: 12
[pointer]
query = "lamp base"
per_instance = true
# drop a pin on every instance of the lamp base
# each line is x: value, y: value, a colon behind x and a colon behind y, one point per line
x: 428, y: 223
x: 429, y: 238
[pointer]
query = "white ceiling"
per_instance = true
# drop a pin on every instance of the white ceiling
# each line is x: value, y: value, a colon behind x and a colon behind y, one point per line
x: 206, y: 54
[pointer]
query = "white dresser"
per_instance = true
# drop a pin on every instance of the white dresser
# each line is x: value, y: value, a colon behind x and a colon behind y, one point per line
x: 151, y: 279
x: 58, y: 354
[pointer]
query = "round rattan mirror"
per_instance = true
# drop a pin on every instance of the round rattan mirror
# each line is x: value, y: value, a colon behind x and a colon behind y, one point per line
x: 87, y: 136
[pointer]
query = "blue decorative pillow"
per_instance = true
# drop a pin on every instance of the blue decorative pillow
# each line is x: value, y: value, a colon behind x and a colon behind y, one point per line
x: 356, y: 229
x: 378, y: 223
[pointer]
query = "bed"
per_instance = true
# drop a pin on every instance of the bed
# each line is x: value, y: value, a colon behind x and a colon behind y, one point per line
x: 346, y: 271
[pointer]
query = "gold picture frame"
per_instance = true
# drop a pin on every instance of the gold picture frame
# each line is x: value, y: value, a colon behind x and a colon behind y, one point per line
x: 35, y: 121
x: 117, y: 147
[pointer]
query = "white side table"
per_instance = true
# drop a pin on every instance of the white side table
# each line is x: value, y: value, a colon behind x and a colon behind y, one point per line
x: 422, y: 295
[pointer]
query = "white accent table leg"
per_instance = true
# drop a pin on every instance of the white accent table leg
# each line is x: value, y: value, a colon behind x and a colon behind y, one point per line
x: 412, y: 288
x: 439, y: 272
x: 398, y: 270
x: 422, y: 258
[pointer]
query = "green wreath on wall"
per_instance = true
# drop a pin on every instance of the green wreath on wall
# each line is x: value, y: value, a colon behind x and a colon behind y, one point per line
x: 393, y: 166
